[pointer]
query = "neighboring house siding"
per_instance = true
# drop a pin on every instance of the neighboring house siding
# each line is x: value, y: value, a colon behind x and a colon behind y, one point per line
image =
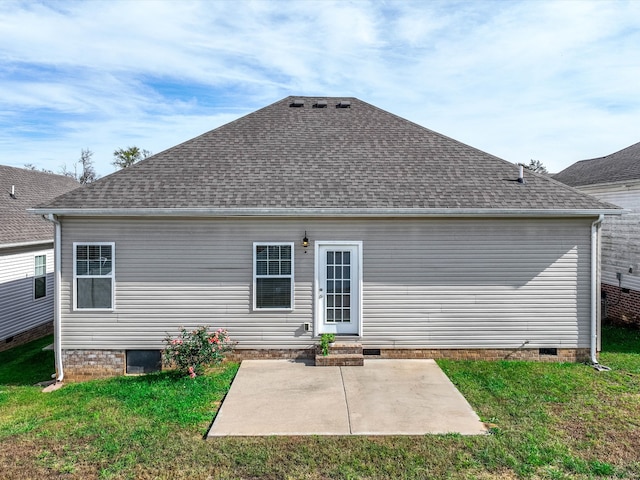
x: 19, y: 311
x: 427, y: 283
x: 620, y: 234
x: 620, y: 251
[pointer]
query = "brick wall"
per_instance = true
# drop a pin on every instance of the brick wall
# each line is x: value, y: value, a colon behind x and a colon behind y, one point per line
x: 533, y: 354
x: 82, y: 365
x: 270, y: 354
x: 28, y: 336
x: 622, y: 307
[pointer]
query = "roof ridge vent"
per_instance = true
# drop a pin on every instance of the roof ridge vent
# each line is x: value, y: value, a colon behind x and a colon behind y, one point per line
x: 344, y: 104
x: 297, y: 103
x: 320, y: 104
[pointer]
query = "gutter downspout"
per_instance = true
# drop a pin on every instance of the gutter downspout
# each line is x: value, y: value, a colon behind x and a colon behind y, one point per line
x: 57, y: 311
x: 595, y: 247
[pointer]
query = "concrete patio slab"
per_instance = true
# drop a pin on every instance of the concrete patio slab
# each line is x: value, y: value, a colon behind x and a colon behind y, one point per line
x: 406, y: 397
x: 385, y: 397
x: 283, y: 397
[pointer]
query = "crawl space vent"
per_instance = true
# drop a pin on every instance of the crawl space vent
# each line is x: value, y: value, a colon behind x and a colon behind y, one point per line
x: 548, y: 351
x: 143, y: 361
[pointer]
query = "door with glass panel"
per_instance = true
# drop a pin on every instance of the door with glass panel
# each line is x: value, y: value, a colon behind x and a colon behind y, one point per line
x: 338, y: 288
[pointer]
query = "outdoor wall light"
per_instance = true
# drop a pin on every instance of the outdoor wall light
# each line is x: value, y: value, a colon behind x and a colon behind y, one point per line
x: 305, y: 240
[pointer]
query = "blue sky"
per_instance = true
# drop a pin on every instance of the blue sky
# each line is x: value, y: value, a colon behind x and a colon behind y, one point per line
x: 557, y: 81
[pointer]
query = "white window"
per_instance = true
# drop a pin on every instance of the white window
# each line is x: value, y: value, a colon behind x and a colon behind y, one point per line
x: 273, y: 276
x: 94, y: 275
x: 40, y: 277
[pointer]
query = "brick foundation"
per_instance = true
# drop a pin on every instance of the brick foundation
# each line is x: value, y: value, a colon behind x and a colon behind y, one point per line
x: 572, y: 355
x: 271, y: 354
x: 28, y: 336
x: 80, y: 365
x: 622, y: 308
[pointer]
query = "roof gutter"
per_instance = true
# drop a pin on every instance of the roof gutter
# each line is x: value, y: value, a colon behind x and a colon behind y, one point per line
x: 324, y: 212
x: 25, y: 244
x: 57, y: 311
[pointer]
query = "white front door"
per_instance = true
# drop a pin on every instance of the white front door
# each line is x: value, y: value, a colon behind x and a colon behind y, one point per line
x: 338, y: 287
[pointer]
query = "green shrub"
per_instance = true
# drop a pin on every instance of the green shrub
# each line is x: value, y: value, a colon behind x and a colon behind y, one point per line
x: 325, y: 340
x: 194, y: 350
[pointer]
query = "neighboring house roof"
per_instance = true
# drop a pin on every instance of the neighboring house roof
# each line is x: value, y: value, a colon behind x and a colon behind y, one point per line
x: 618, y: 167
x: 30, y: 187
x: 320, y: 159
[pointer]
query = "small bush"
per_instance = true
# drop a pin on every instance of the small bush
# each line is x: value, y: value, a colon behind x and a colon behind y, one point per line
x: 325, y: 340
x: 194, y: 350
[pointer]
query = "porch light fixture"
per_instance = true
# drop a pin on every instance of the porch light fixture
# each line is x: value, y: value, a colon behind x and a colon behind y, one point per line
x: 305, y: 240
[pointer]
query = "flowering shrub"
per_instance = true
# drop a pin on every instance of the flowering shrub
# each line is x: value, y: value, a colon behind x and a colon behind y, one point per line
x: 194, y: 350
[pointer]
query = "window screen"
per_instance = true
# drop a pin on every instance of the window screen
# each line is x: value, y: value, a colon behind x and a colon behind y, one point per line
x: 273, y: 276
x: 94, y: 275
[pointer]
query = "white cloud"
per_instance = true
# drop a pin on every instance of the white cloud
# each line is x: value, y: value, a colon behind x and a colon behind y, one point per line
x: 556, y: 81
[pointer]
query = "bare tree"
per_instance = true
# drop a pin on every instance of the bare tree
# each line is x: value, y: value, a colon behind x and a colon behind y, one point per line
x: 67, y: 172
x: 87, y: 171
x: 31, y: 166
x: 535, y: 166
x: 88, y: 174
x: 125, y: 157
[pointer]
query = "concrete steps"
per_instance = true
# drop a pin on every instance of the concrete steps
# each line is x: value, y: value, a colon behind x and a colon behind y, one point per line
x: 341, y: 354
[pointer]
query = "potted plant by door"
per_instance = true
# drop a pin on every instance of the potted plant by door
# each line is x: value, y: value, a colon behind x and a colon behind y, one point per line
x: 326, y: 339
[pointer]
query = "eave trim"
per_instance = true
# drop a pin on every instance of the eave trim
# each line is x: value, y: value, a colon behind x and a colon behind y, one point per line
x: 323, y: 212
x: 26, y: 244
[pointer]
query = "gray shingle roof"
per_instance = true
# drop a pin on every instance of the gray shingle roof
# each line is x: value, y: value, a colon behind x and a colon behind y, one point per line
x: 617, y: 167
x: 31, y: 188
x: 308, y: 157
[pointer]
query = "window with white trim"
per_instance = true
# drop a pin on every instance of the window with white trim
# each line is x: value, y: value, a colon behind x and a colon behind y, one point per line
x: 93, y: 275
x: 40, y: 277
x: 273, y: 276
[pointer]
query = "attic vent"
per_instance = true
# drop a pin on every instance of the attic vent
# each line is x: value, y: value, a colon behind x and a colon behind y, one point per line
x: 297, y: 103
x: 320, y: 104
x: 344, y: 104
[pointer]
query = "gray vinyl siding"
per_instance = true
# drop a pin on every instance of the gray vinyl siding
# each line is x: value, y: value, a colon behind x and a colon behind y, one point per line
x: 19, y: 311
x: 620, y: 234
x: 621, y: 250
x: 427, y: 283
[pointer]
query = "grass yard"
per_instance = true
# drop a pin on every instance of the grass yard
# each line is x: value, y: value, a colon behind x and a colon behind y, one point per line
x: 549, y: 421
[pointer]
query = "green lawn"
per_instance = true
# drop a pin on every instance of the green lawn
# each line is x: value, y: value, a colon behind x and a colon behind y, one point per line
x: 27, y: 364
x: 549, y: 421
